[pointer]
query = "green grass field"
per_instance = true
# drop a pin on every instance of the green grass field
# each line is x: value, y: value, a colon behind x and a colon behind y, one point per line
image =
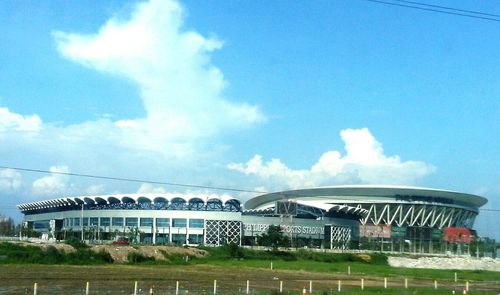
x: 60, y: 273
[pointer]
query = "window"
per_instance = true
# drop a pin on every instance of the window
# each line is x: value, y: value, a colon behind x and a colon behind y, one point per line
x: 147, y: 222
x: 117, y: 221
x: 179, y: 238
x: 196, y: 223
x: 104, y: 221
x: 76, y: 221
x: 131, y: 221
x: 178, y: 222
x: 162, y: 222
x: 162, y: 239
x: 94, y: 221
x: 42, y: 224
x: 85, y: 221
x: 195, y: 239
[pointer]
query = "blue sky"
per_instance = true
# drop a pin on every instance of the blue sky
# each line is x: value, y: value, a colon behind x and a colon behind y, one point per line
x: 253, y: 95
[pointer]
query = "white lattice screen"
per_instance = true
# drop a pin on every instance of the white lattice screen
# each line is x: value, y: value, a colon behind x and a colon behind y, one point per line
x: 221, y: 232
x: 340, y: 236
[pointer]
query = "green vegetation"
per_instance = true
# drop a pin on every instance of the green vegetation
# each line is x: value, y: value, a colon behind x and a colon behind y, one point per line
x: 136, y: 257
x: 76, y: 243
x: 273, y: 238
x: 235, y: 257
x: 11, y: 253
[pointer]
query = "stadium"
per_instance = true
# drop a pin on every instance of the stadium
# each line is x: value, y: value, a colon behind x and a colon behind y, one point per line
x: 337, y: 217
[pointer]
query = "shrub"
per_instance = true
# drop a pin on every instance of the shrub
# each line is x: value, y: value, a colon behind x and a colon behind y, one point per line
x: 235, y: 251
x: 136, y: 257
x: 379, y: 258
x: 75, y: 243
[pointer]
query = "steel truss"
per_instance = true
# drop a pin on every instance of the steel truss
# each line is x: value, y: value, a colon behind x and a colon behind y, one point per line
x: 423, y: 215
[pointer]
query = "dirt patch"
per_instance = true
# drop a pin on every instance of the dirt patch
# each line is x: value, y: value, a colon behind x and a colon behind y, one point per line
x: 59, y: 246
x: 120, y: 253
x: 365, y: 257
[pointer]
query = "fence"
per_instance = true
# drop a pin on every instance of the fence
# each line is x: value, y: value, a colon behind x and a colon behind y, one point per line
x: 345, y: 285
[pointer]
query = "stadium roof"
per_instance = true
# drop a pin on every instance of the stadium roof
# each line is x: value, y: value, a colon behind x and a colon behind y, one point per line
x: 126, y: 198
x: 362, y: 194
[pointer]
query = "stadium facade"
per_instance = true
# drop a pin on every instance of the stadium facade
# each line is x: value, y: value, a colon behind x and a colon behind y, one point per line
x: 330, y: 217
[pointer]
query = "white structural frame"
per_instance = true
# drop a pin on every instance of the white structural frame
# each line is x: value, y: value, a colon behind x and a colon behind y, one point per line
x: 437, y: 216
x: 385, y: 205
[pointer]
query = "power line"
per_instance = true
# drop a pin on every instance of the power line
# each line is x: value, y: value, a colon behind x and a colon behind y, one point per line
x: 136, y: 180
x: 449, y: 8
x: 157, y: 182
x: 442, y: 9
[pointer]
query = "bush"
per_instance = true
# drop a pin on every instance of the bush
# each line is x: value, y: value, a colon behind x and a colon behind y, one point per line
x: 235, y: 251
x: 53, y: 256
x: 75, y: 243
x: 379, y: 258
x: 136, y: 257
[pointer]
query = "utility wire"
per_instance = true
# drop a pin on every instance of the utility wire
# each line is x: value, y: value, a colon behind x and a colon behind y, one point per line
x: 135, y: 180
x: 449, y: 8
x: 443, y: 9
x: 160, y: 182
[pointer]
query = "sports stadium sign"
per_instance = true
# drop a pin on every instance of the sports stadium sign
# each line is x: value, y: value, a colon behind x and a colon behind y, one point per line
x: 295, y: 229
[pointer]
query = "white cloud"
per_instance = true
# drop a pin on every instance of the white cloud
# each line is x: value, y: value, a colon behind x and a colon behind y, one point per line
x: 15, y: 122
x: 52, y: 185
x: 10, y: 180
x: 182, y: 93
x: 181, y: 90
x: 364, y: 163
x: 95, y: 189
x: 147, y: 188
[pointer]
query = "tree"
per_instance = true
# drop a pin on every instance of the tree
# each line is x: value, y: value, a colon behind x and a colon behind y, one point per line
x: 7, y: 226
x: 273, y: 238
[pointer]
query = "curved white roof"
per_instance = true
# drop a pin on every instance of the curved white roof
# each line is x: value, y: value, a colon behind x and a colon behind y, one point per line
x: 362, y: 194
x: 126, y: 198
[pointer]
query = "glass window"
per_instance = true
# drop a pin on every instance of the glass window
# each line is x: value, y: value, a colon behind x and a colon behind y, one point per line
x: 195, y: 239
x: 105, y: 221
x: 76, y: 221
x: 179, y: 222
x: 147, y: 222
x: 162, y: 239
x: 196, y: 223
x: 117, y: 221
x: 131, y: 221
x: 179, y: 238
x: 94, y: 221
x: 85, y: 221
x: 42, y: 224
x: 162, y: 222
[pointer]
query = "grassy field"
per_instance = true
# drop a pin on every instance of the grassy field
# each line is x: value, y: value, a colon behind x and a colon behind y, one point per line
x: 57, y: 272
x: 231, y: 279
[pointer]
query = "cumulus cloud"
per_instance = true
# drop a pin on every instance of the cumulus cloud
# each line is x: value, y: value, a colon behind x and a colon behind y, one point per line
x: 181, y: 90
x: 364, y: 162
x: 95, y: 189
x: 52, y: 185
x: 182, y: 93
x: 15, y: 122
x: 10, y: 180
x: 147, y: 188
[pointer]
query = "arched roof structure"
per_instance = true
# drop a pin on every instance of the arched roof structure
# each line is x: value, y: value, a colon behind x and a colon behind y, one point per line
x: 386, y: 205
x: 128, y: 198
x: 326, y: 197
